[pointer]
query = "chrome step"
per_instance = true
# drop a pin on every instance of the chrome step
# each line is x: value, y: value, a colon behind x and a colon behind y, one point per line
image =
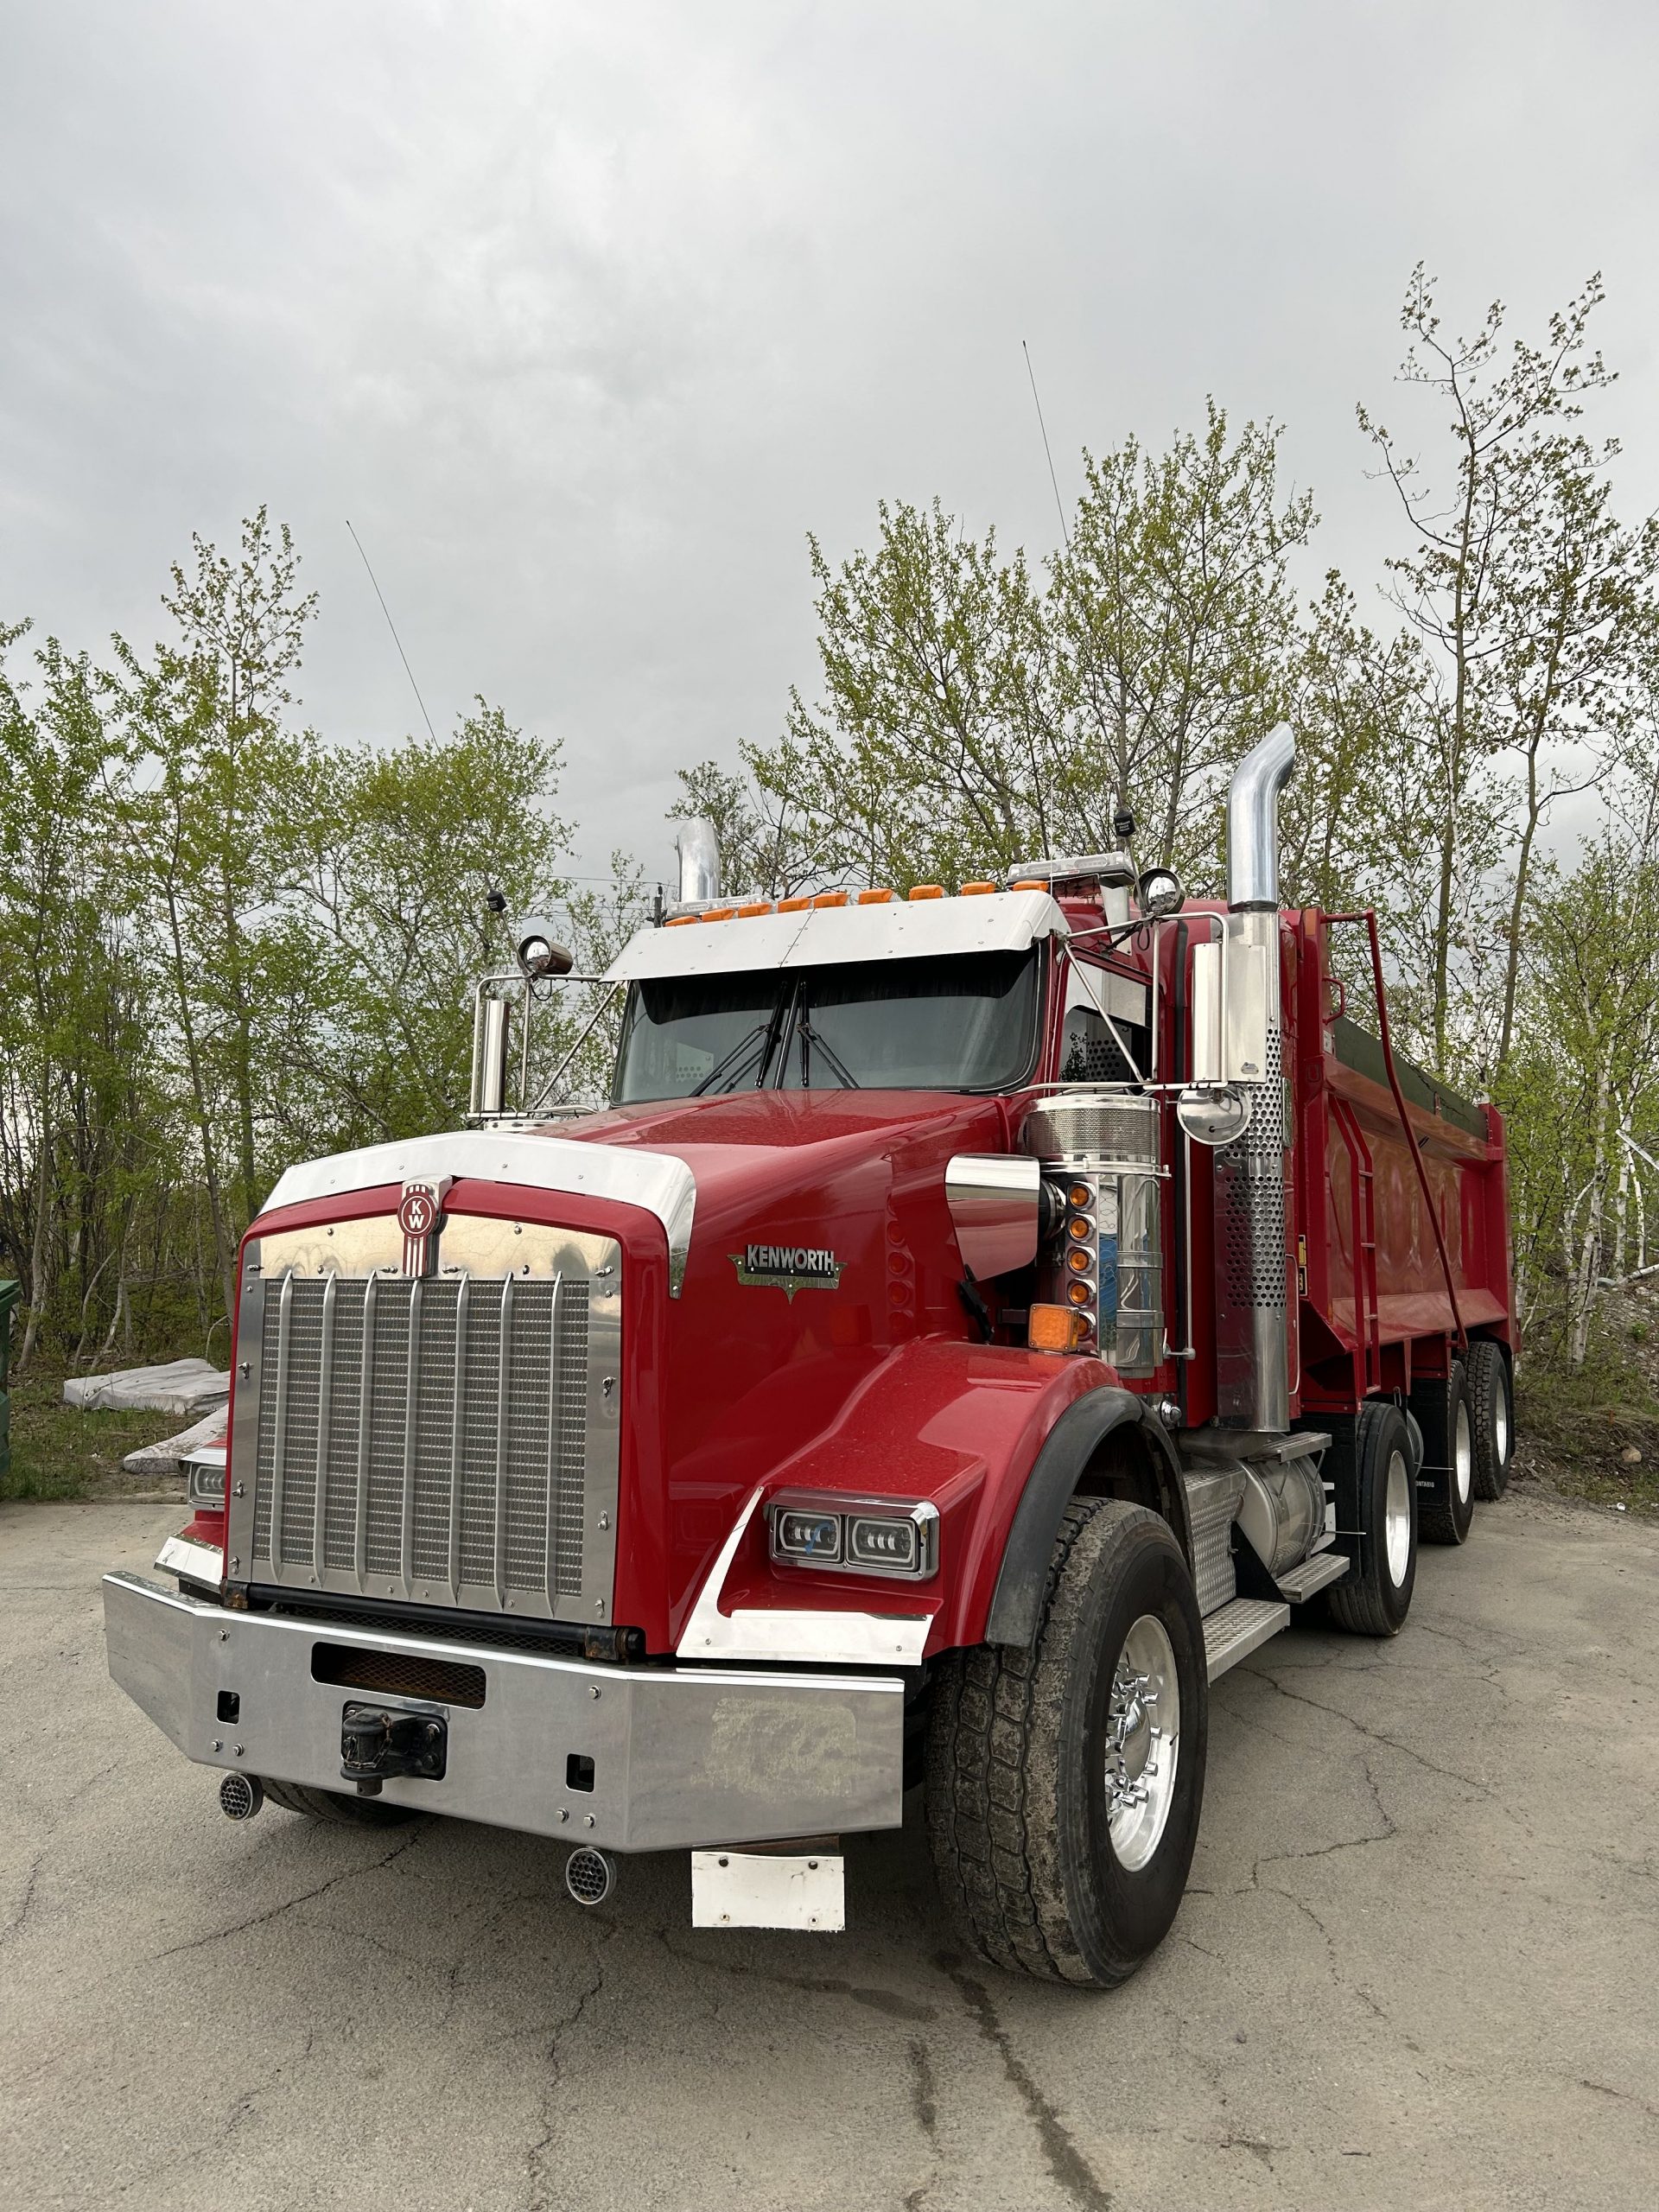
x: 1299, y: 1583
x: 1238, y: 1629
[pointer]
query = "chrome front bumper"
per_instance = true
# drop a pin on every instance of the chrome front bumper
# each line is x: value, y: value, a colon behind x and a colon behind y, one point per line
x: 683, y: 1756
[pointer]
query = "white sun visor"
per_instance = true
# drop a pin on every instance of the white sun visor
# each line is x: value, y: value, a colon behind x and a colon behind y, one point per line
x: 922, y: 929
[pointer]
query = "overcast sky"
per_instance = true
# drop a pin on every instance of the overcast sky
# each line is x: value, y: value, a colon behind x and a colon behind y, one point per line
x: 585, y: 314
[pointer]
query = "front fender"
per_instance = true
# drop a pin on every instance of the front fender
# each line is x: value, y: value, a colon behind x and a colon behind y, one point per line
x: 997, y: 1437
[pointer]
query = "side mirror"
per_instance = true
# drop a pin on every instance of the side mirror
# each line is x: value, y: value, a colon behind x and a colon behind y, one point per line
x: 1214, y: 1117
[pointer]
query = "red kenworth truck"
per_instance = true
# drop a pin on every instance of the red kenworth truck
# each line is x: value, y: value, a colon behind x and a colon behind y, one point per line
x: 974, y: 1323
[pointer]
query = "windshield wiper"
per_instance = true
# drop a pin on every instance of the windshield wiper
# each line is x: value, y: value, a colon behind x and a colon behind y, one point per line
x: 810, y: 1036
x: 739, y: 1052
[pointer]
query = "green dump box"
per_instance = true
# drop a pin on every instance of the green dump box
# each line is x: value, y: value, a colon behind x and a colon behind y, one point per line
x: 9, y: 1296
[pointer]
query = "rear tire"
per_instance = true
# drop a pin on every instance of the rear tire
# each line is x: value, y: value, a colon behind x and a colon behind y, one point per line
x: 1491, y: 1411
x: 336, y: 1808
x: 1375, y: 1598
x: 1445, y: 1490
x: 1065, y: 1781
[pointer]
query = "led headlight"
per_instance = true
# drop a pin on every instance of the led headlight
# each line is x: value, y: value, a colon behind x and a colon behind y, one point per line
x: 860, y: 1536
x: 204, y: 1479
x: 805, y: 1534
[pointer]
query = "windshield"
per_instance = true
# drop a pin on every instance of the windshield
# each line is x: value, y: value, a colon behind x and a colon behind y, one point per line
x: 965, y: 1022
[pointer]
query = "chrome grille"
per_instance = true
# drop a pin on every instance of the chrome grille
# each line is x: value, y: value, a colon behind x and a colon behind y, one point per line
x: 447, y: 1440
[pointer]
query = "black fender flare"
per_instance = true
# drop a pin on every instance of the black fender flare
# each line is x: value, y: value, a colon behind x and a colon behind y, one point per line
x: 1016, y: 1601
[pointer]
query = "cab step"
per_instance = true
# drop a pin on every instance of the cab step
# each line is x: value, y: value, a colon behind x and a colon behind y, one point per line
x: 1299, y: 1583
x: 1236, y: 1630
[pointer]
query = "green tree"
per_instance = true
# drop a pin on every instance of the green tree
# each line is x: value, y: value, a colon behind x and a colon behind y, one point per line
x: 1177, y: 632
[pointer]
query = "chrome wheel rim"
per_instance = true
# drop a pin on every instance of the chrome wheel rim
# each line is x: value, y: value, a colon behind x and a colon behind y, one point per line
x: 1462, y: 1457
x: 1143, y: 1743
x: 1500, y: 1425
x: 1396, y: 1518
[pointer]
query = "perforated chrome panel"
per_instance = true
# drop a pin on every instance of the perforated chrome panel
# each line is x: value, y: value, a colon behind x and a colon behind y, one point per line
x: 451, y: 1440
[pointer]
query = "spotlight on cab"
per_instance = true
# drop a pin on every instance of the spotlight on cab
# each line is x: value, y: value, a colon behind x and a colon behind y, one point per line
x: 540, y: 952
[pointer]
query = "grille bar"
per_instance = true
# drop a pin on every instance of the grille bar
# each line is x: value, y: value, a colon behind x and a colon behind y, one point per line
x: 284, y: 1317
x: 452, y: 1440
x: 553, y: 1447
x: 325, y: 1415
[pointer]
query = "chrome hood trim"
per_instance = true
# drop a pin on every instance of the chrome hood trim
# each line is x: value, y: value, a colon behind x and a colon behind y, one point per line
x: 655, y: 1180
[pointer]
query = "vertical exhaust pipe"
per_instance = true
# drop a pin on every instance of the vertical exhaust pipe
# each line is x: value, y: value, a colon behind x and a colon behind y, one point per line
x: 1252, y: 1263
x: 1253, y: 821
x: 699, y: 852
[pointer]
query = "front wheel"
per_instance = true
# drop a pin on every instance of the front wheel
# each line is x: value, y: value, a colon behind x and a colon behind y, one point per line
x: 1065, y: 1782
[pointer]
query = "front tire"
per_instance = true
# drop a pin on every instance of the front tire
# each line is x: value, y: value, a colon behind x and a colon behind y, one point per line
x: 1065, y: 1782
x: 1491, y: 1410
x: 1375, y: 1598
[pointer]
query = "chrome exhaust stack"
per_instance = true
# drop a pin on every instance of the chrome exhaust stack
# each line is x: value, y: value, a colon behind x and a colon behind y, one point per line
x: 1252, y: 1259
x: 699, y: 852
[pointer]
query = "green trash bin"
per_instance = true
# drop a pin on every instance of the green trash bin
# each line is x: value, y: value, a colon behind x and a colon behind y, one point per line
x: 9, y: 1294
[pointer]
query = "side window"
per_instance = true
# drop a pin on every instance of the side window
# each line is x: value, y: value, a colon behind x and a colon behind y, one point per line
x: 1089, y: 1051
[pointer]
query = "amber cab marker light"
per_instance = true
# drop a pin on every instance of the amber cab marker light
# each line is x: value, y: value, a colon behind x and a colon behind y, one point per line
x: 976, y: 890
x: 1055, y: 1328
x: 758, y: 906
x: 794, y: 905
x: 873, y: 898
x: 1029, y: 883
x: 926, y: 890
x: 830, y: 898
x: 678, y: 921
x: 719, y: 914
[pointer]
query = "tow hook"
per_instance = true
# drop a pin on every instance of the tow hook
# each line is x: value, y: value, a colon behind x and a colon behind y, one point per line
x: 377, y: 1741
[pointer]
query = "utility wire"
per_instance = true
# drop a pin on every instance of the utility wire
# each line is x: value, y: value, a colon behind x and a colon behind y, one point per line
x: 1060, y: 506
x: 398, y: 642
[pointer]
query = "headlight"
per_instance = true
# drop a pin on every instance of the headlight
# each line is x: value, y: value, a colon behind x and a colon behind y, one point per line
x: 203, y: 1479
x: 860, y: 1536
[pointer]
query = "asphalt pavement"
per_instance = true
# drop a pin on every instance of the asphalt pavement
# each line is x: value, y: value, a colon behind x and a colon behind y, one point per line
x: 1418, y: 1965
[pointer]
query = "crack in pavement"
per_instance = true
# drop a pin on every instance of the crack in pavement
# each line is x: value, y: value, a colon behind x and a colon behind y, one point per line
x: 275, y: 1911
x: 562, y: 2026
x: 1376, y: 1736
x: 1065, y: 2161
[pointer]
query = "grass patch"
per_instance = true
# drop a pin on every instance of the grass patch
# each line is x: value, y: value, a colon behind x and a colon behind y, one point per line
x: 1577, y: 1425
x: 58, y: 1452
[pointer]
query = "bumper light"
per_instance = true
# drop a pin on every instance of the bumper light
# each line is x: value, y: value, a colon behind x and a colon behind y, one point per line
x: 858, y: 1536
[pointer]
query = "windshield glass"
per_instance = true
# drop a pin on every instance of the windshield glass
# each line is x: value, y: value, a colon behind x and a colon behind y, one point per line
x: 965, y: 1022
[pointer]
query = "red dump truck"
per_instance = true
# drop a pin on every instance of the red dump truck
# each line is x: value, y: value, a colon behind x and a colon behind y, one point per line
x: 974, y: 1323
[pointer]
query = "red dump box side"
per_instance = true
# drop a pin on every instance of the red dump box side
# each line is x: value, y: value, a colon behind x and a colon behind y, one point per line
x: 1382, y: 1302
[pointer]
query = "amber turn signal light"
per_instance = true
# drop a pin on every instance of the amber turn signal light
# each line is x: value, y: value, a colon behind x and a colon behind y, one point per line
x: 1055, y: 1328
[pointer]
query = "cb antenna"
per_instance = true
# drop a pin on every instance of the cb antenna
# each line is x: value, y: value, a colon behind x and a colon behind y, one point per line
x: 396, y: 639
x: 1059, y: 506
